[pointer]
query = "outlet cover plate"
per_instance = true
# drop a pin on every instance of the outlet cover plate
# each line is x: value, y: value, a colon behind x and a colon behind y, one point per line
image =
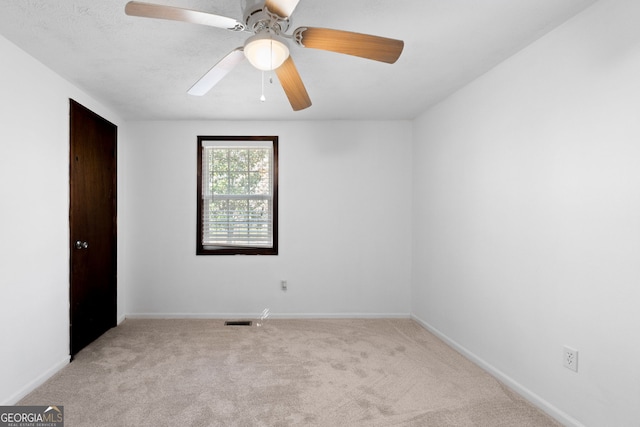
x: 570, y: 358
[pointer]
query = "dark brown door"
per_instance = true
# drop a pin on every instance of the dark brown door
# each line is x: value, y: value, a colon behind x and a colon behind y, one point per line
x: 92, y: 223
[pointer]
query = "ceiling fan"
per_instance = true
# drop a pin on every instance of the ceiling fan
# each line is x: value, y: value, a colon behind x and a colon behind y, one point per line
x: 268, y: 48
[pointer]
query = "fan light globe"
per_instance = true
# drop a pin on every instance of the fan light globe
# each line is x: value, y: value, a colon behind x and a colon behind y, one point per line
x: 266, y: 52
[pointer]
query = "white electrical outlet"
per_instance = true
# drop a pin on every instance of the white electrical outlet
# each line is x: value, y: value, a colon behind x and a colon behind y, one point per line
x: 570, y: 358
x: 283, y: 285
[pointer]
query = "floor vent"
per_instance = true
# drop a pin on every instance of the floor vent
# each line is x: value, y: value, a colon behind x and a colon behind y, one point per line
x: 238, y: 323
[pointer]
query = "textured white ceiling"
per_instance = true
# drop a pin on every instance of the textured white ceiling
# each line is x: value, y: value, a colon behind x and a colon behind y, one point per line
x: 143, y: 68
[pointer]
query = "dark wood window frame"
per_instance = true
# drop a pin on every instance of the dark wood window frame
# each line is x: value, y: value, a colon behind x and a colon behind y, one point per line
x: 202, y: 249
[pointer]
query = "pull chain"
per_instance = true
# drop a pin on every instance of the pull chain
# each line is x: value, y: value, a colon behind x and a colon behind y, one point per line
x: 262, y: 97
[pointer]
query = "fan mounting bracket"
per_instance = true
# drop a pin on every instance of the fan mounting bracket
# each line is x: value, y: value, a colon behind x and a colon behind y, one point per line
x: 298, y: 37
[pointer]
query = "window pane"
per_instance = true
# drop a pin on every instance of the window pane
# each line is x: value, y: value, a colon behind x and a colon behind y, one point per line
x: 258, y: 184
x: 258, y: 159
x: 216, y: 220
x: 220, y: 183
x: 238, y: 183
x: 220, y: 161
x: 238, y: 159
x: 260, y: 212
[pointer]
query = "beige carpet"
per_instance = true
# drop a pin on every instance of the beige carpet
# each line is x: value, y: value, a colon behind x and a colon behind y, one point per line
x: 285, y: 373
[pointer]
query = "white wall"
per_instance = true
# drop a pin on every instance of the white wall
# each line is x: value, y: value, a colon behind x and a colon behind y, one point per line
x: 345, y: 213
x: 527, y: 217
x: 34, y: 224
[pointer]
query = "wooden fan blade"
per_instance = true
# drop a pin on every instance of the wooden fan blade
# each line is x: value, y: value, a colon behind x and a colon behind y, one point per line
x: 148, y: 10
x: 217, y: 72
x: 356, y: 44
x: 293, y: 86
x: 282, y: 8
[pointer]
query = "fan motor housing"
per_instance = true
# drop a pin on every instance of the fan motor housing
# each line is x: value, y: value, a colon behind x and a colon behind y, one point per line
x: 258, y: 19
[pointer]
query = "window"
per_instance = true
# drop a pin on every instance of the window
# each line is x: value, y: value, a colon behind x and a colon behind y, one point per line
x: 237, y: 195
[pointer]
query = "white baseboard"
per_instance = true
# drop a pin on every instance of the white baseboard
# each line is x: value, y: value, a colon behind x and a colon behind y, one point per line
x: 37, y: 382
x: 271, y: 315
x: 341, y: 316
x: 536, y: 400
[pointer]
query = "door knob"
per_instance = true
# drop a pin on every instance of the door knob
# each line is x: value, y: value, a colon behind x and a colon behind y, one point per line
x: 81, y: 245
